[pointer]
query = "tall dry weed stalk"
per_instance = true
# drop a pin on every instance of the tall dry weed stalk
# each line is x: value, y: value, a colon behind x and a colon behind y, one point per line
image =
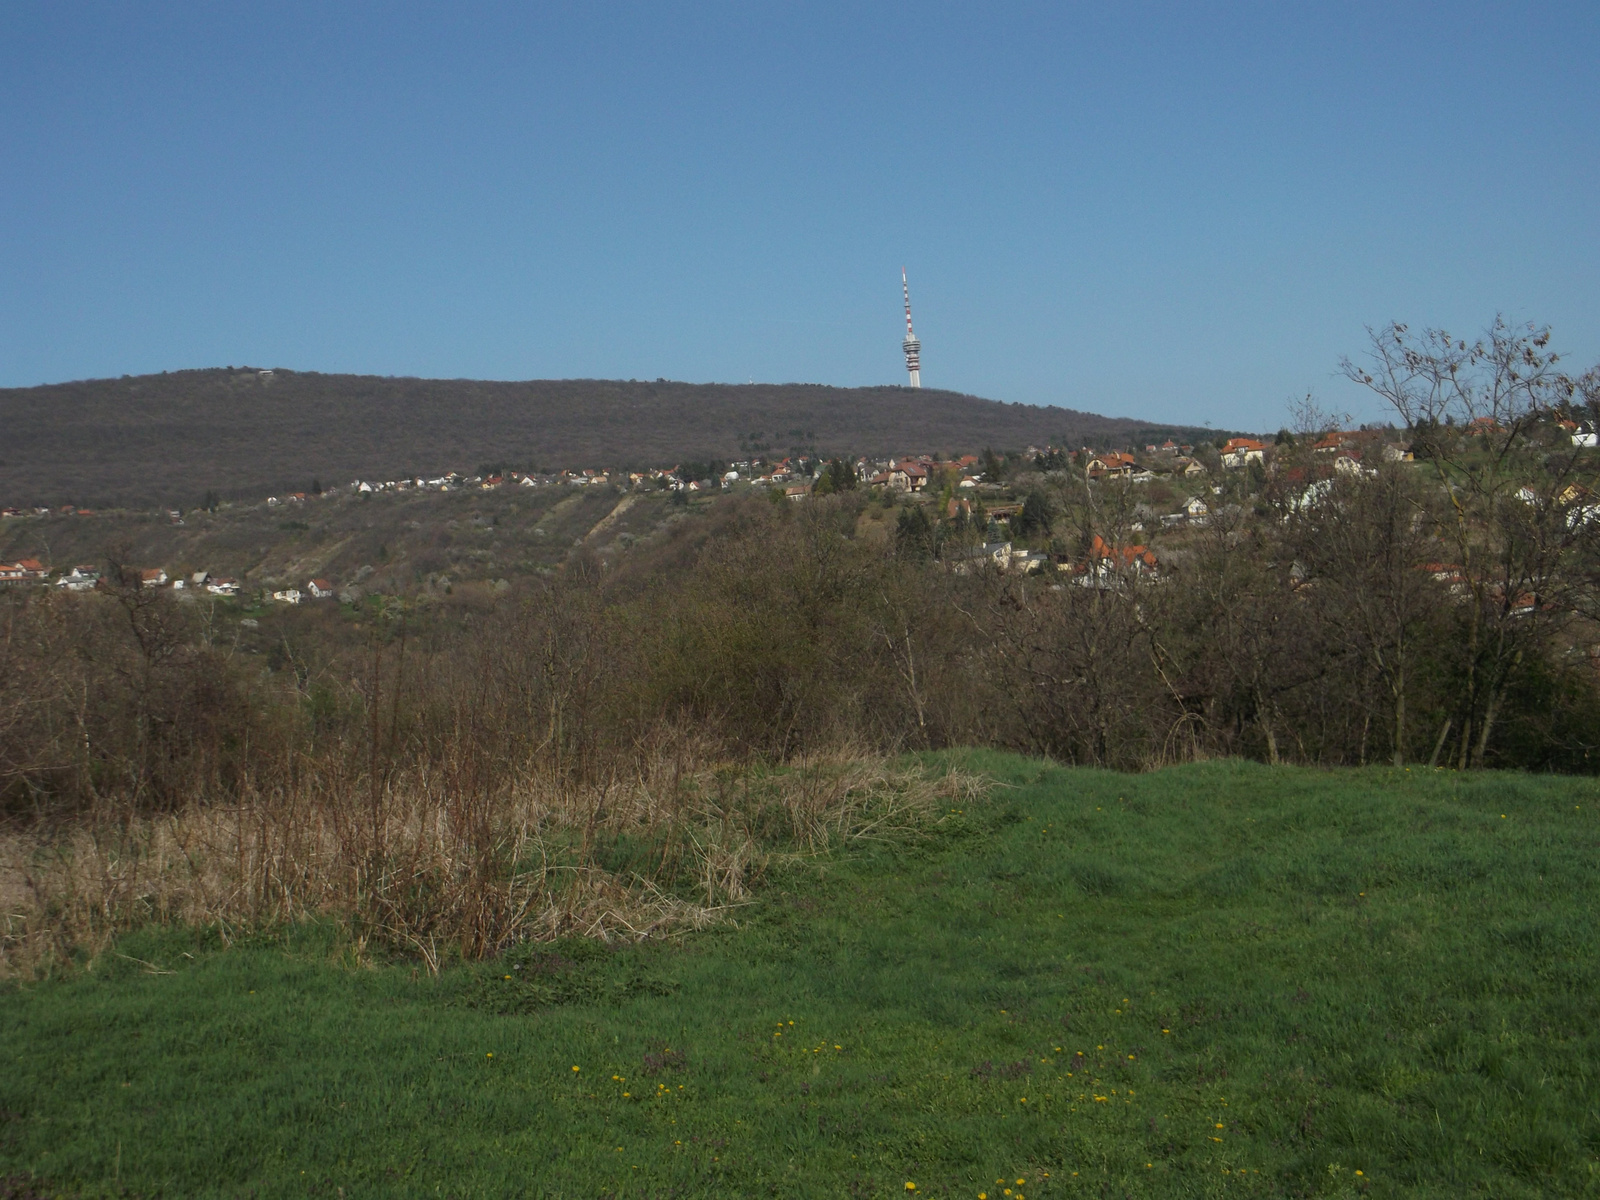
x: 442, y: 862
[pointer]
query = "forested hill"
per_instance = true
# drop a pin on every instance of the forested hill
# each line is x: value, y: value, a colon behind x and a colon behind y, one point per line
x: 172, y: 437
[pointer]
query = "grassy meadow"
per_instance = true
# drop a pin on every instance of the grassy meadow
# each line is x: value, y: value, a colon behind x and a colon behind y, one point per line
x: 1214, y: 980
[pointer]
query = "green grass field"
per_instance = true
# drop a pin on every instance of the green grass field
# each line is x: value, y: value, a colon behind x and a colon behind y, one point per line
x: 1210, y: 981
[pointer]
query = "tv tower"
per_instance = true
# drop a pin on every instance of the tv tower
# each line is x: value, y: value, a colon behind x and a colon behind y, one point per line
x: 911, y: 346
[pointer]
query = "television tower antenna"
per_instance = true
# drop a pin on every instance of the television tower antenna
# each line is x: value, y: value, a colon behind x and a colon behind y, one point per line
x: 911, y: 346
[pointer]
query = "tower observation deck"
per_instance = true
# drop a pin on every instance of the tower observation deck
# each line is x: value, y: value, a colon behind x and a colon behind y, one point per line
x: 912, y: 347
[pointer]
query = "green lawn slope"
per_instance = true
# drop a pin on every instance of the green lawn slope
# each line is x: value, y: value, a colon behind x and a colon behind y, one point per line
x: 1222, y: 980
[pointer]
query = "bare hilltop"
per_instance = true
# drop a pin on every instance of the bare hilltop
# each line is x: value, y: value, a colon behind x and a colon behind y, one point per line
x: 242, y: 432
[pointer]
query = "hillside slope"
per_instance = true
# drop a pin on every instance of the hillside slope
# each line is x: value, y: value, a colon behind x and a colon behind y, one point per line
x: 170, y: 438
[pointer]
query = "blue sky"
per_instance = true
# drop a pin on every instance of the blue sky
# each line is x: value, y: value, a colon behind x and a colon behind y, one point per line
x: 1186, y: 212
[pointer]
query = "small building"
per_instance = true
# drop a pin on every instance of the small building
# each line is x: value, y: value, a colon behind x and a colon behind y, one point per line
x: 1111, y: 463
x: 319, y: 589
x: 24, y: 570
x: 990, y: 554
x: 1241, y: 452
x: 80, y: 579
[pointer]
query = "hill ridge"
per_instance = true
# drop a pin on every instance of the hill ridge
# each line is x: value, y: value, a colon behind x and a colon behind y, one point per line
x: 245, y: 431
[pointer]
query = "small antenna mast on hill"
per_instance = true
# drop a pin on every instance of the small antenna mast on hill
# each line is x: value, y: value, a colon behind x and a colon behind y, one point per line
x: 911, y: 346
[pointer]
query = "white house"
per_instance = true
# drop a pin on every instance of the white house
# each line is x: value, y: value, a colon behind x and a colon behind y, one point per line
x: 79, y: 579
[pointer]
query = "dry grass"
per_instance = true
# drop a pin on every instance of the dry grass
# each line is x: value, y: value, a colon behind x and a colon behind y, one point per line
x: 424, y: 863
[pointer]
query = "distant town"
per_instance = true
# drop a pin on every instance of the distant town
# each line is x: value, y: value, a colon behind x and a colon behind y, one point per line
x: 985, y: 492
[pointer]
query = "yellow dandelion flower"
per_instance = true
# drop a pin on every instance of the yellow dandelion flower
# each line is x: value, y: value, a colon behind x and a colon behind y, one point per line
x: 574, y: 1068
x: 910, y: 1187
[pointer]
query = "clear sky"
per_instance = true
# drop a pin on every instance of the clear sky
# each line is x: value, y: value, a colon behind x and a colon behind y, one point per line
x: 1184, y: 211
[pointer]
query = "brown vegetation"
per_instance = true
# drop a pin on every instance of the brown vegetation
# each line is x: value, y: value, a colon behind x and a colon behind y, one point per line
x: 616, y: 748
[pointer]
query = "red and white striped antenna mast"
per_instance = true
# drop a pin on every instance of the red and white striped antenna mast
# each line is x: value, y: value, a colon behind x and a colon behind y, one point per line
x: 912, y: 347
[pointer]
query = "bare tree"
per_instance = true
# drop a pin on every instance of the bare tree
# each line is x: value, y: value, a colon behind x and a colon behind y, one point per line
x: 1475, y: 412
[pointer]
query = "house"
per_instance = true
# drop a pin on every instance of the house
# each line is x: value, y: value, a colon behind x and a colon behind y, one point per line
x: 1348, y: 462
x: 1330, y: 444
x: 1169, y: 447
x: 990, y: 554
x: 797, y: 491
x: 21, y: 571
x: 320, y: 589
x: 916, y: 475
x: 1193, y: 470
x: 223, y: 587
x: 79, y: 579
x: 153, y: 578
x: 287, y: 596
x: 896, y: 479
x: 1586, y: 437
x: 1106, y: 559
x: 1240, y: 452
x: 1194, y: 508
x: 1111, y: 462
